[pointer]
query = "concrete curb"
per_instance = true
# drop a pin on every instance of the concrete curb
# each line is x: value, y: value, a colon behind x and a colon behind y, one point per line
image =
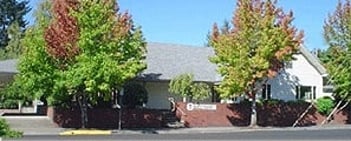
x: 85, y: 132
x: 222, y: 130
x: 68, y: 132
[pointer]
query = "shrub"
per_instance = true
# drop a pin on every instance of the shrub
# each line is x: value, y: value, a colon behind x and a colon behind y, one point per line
x: 184, y: 85
x: 8, y: 104
x: 324, y: 105
x: 6, y: 132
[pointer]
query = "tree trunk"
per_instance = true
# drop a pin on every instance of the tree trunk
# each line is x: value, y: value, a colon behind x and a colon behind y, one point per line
x: 83, y: 109
x: 253, y: 121
x: 184, y: 99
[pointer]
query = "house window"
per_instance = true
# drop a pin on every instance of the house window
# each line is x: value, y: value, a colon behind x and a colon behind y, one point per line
x: 327, y: 85
x: 266, y: 91
x: 326, y: 81
x: 305, y: 92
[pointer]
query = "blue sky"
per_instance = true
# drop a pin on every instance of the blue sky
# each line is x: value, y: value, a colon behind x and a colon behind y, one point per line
x: 189, y: 21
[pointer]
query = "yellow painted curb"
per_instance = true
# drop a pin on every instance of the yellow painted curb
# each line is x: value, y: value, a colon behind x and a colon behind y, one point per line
x: 86, y: 132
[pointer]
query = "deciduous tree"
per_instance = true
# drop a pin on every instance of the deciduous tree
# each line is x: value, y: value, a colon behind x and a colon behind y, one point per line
x: 184, y: 86
x: 36, y: 73
x: 337, y: 57
x: 337, y: 33
x: 262, y: 37
x: 80, y: 48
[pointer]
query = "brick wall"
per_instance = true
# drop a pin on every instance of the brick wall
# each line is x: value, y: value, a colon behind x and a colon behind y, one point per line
x: 106, y: 118
x: 282, y: 114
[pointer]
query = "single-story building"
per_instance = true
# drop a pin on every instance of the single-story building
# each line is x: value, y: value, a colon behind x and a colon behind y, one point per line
x: 302, y: 78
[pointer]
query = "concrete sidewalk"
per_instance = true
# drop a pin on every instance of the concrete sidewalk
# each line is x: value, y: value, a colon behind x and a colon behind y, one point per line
x: 33, y: 125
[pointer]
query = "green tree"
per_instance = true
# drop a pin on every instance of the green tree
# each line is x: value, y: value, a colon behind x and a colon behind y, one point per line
x: 33, y: 81
x: 253, y: 50
x: 184, y: 86
x: 13, y: 48
x: 11, y: 11
x: 82, y: 48
x: 337, y: 34
x: 36, y: 74
x: 337, y: 30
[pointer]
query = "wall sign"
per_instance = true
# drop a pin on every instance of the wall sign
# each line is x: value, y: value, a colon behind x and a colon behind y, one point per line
x: 192, y: 106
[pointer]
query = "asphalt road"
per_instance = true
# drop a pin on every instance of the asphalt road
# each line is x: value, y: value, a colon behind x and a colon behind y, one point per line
x: 335, y: 134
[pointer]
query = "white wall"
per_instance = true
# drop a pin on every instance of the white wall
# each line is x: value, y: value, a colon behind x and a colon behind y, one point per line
x: 302, y: 73
x: 158, y: 95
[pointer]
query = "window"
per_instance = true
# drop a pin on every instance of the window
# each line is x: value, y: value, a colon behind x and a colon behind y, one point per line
x: 326, y: 81
x: 327, y: 85
x: 305, y: 92
x: 328, y: 89
x: 266, y: 91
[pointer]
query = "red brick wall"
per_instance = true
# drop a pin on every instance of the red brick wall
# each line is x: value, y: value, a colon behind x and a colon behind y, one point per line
x: 282, y: 114
x: 106, y: 118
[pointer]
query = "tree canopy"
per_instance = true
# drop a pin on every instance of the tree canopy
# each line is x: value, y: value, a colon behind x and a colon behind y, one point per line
x: 11, y: 17
x: 13, y: 48
x: 184, y: 86
x: 337, y: 57
x: 80, y: 46
x: 36, y: 76
x: 254, y: 49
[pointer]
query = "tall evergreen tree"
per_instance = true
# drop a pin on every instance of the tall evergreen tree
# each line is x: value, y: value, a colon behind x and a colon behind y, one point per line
x: 11, y: 11
x: 14, y: 48
x: 261, y: 39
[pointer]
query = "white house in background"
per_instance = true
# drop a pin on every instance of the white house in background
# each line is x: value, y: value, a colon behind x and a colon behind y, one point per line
x: 302, y: 78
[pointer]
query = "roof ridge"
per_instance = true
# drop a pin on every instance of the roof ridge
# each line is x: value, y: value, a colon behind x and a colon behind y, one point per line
x: 313, y: 60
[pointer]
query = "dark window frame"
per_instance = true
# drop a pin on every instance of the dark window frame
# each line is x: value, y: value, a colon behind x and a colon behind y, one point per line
x: 266, y: 92
x: 304, y: 92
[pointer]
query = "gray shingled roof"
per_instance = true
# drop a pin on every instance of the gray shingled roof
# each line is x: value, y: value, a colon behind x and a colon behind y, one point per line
x: 313, y: 60
x: 165, y: 61
x: 8, y: 66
